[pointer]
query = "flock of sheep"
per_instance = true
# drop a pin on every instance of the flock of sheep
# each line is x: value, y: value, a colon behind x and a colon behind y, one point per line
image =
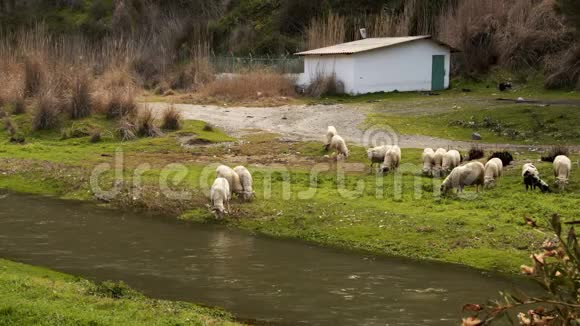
x: 230, y: 181
x: 437, y: 163
x: 447, y: 163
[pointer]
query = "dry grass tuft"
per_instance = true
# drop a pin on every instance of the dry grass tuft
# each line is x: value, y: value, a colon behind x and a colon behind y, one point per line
x: 146, y: 124
x: 251, y: 85
x: 18, y: 105
x: 208, y: 127
x: 171, y: 119
x: 96, y: 136
x: 565, y: 70
x: 47, y: 112
x: 81, y: 102
x: 193, y: 75
x: 120, y: 103
x: 34, y: 76
x: 126, y: 129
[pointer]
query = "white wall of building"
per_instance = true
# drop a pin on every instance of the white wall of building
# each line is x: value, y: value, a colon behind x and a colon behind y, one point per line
x: 404, y: 67
x: 340, y: 65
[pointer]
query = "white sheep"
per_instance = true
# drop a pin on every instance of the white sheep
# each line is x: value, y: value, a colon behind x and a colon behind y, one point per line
x: 470, y: 174
x: 220, y: 196
x: 450, y: 161
x: 493, y: 170
x: 562, y: 167
x: 438, y: 161
x: 231, y: 176
x: 428, y: 157
x: 532, y: 178
x: 330, y: 132
x: 392, y: 159
x: 377, y: 154
x: 338, y: 144
x: 530, y: 169
x: 246, y: 181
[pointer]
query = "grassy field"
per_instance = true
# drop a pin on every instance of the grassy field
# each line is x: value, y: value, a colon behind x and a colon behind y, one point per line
x: 37, y: 296
x: 402, y: 215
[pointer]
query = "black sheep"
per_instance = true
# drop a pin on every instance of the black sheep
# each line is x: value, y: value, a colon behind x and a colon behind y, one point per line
x: 533, y: 181
x: 504, y: 86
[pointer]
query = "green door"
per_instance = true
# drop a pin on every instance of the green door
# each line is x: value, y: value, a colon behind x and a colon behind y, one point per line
x: 438, y: 73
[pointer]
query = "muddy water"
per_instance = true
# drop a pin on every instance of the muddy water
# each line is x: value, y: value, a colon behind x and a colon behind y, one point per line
x: 253, y: 277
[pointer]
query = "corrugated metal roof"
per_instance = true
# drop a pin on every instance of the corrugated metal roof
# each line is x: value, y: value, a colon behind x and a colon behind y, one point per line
x: 366, y: 45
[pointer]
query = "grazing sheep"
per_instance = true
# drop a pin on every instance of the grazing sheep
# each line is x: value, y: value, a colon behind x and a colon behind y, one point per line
x: 562, y: 167
x: 392, y: 159
x: 232, y: 177
x: 337, y: 144
x: 532, y: 178
x: 450, y: 161
x: 493, y: 170
x: 246, y: 181
x: 220, y: 196
x: 428, y: 157
x: 330, y: 132
x: 377, y: 154
x: 437, y: 161
x: 470, y: 174
x: 505, y: 157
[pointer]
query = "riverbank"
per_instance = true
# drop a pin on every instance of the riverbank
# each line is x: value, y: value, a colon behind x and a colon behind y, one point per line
x: 300, y: 194
x: 32, y: 295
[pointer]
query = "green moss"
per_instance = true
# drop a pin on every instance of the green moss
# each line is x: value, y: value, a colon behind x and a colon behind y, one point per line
x: 37, y: 296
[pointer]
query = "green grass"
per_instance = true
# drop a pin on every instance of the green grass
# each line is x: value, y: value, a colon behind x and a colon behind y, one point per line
x: 36, y: 296
x: 344, y: 210
x: 519, y: 124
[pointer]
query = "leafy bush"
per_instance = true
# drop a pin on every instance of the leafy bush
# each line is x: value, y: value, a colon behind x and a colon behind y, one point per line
x: 557, y: 270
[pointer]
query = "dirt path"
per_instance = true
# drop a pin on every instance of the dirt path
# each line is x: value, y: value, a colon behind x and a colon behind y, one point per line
x: 309, y: 122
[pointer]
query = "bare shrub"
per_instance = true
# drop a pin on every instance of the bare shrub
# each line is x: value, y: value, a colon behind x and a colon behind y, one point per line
x: 47, y: 112
x: 81, y: 99
x: 34, y: 76
x: 193, y: 75
x: 324, y: 86
x: 146, y: 125
x: 171, y: 119
x: 15, y: 136
x: 126, y: 129
x: 251, y: 85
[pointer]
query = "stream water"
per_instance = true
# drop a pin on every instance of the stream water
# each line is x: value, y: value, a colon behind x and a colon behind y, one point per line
x: 285, y: 282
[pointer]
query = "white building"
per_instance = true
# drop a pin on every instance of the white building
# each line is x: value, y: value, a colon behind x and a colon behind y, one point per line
x: 415, y: 63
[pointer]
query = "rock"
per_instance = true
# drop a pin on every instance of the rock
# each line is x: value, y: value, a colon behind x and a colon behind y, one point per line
x: 476, y: 136
x: 520, y: 100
